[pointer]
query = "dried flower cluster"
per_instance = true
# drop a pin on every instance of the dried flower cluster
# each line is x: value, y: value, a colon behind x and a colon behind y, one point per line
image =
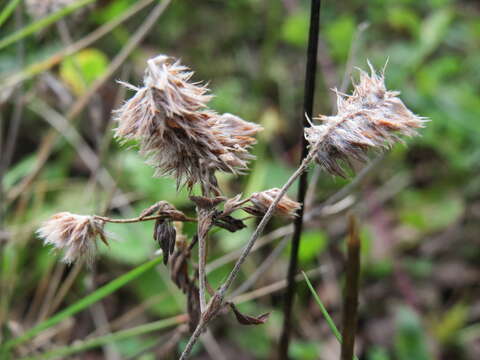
x: 75, y: 234
x: 371, y: 118
x: 261, y: 201
x: 176, y: 130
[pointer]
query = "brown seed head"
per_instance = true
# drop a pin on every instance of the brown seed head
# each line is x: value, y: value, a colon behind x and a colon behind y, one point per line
x: 179, y: 134
x: 261, y: 201
x: 371, y: 118
x: 75, y: 234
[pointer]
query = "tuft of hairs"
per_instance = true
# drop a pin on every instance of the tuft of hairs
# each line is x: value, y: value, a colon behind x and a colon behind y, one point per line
x: 75, y: 234
x: 261, y: 201
x: 371, y: 118
x: 178, y: 133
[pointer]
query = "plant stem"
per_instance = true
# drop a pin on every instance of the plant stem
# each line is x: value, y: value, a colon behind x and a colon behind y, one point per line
x: 145, y: 218
x: 326, y: 315
x: 217, y: 300
x: 310, y: 76
x: 204, y: 223
x: 350, y: 304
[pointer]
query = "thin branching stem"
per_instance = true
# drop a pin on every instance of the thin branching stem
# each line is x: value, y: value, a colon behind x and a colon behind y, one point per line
x: 217, y: 300
x: 145, y: 218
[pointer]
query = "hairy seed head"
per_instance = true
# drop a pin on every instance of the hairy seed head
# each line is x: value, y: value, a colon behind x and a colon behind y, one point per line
x: 261, y: 201
x: 177, y: 131
x: 371, y: 118
x: 75, y: 234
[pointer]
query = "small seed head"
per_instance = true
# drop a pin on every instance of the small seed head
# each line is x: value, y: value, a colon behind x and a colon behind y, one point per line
x: 75, y: 234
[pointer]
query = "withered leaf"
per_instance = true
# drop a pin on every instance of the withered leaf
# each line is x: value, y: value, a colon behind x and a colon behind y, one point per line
x: 165, y: 233
x: 247, y: 319
x: 193, y: 307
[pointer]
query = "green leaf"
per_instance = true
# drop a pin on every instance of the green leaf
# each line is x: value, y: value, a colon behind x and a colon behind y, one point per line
x: 312, y: 245
x: 448, y: 326
x: 410, y: 341
x: 42, y: 23
x: 430, y: 210
x: 80, y: 70
x: 304, y: 350
x: 295, y: 28
x: 83, y: 303
x: 339, y: 34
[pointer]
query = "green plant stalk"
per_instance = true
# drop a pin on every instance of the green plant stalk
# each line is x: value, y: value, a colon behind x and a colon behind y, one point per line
x: 7, y: 10
x: 42, y: 23
x: 97, y: 295
x: 105, y: 339
x: 324, y: 311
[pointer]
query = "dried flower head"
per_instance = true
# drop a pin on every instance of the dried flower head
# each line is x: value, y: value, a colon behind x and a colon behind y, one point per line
x: 371, y: 118
x: 176, y: 130
x: 261, y: 201
x: 75, y: 234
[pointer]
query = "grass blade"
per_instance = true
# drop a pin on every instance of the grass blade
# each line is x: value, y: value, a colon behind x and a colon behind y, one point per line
x: 7, y: 11
x: 97, y: 295
x: 63, y: 351
x: 42, y: 23
x: 324, y: 311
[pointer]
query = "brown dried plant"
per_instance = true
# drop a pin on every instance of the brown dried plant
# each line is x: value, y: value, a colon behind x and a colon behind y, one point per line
x: 371, y: 118
x: 182, y: 137
x: 176, y: 130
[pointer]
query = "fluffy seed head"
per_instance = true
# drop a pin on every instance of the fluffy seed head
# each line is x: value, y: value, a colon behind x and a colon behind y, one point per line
x: 75, y: 234
x: 176, y: 130
x: 371, y: 118
x: 261, y: 201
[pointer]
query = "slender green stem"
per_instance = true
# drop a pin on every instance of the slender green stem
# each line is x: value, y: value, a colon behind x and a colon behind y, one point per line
x: 324, y: 311
x: 42, y: 23
x: 97, y: 295
x: 7, y: 10
x: 63, y: 351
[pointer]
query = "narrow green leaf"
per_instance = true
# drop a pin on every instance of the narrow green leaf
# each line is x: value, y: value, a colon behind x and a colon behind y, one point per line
x: 106, y: 339
x: 324, y: 311
x: 7, y: 10
x: 42, y: 23
x: 97, y: 295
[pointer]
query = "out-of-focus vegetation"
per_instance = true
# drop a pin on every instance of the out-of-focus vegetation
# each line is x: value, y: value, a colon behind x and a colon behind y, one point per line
x: 419, y: 209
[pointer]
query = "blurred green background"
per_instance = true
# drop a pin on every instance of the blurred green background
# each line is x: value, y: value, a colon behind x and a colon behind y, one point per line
x: 419, y: 208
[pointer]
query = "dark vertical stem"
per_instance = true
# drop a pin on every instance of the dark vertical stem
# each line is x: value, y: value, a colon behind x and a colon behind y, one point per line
x: 350, y: 302
x: 310, y: 75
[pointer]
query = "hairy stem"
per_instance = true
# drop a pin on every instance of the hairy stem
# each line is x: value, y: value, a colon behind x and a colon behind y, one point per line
x: 311, y: 70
